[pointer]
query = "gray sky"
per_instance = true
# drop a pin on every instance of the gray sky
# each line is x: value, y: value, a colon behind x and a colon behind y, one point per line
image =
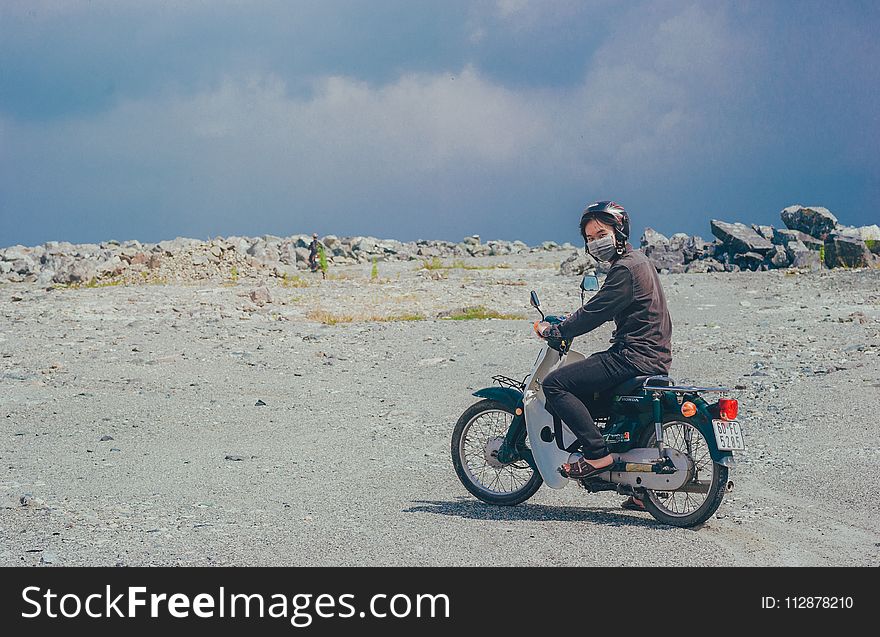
x: 412, y: 120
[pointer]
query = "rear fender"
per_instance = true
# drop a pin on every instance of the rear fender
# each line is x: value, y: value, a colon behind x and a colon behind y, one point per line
x: 702, y: 420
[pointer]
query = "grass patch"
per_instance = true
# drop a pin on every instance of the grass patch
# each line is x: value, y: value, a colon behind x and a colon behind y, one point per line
x: 294, y: 281
x: 146, y: 279
x: 91, y: 283
x: 510, y: 282
x: 329, y: 318
x: 458, y: 264
x: 432, y: 264
x: 478, y: 312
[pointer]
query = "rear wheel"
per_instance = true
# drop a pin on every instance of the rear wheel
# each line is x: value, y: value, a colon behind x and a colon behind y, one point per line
x: 698, y: 499
x: 477, y: 436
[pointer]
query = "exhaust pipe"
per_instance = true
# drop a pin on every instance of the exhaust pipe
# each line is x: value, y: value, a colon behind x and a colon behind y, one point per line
x: 729, y: 485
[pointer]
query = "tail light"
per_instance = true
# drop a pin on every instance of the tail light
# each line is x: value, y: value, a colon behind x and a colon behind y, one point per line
x: 728, y: 408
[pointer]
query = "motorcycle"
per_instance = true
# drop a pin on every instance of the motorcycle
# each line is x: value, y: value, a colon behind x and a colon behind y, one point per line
x: 672, y: 448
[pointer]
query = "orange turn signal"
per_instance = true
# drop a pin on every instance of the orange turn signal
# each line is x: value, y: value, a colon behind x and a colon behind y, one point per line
x: 688, y: 409
x: 519, y: 411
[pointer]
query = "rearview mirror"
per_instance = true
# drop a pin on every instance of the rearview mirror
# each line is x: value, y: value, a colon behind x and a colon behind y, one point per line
x: 589, y: 283
x: 534, y: 300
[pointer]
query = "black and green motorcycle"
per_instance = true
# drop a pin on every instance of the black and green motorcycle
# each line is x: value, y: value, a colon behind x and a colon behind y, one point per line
x: 672, y: 448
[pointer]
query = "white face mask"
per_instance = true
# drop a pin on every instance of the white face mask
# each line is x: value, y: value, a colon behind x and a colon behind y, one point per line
x: 603, y: 249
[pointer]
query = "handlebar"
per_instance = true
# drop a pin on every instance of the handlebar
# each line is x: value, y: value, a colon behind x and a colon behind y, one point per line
x: 560, y: 345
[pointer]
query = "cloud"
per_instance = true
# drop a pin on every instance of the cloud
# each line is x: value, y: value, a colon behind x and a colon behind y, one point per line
x: 249, y: 141
x: 667, y: 98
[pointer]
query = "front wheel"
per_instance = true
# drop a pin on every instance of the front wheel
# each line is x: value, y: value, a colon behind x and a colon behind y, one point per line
x: 698, y: 499
x: 477, y: 436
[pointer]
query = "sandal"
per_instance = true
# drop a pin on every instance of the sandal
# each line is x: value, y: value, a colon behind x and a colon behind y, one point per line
x: 582, y: 469
x: 631, y: 504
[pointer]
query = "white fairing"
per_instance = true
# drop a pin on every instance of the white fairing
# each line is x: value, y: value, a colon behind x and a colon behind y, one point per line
x: 548, y: 456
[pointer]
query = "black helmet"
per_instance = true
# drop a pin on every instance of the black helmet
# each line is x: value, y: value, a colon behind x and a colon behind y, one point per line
x: 607, y: 212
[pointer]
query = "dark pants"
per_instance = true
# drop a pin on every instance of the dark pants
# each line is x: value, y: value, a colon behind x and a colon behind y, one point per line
x: 568, y: 388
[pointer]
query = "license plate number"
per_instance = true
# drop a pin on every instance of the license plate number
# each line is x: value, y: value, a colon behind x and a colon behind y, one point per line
x: 728, y: 435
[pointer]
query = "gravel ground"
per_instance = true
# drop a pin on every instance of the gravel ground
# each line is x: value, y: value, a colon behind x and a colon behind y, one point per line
x: 131, y: 432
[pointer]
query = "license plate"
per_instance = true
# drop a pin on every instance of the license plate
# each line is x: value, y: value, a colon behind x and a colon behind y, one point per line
x: 728, y: 435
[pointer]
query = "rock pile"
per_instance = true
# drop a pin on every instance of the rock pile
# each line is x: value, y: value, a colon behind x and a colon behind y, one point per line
x: 190, y: 259
x: 812, y: 238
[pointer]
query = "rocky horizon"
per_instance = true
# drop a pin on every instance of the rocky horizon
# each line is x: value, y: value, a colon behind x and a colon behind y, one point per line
x: 812, y: 238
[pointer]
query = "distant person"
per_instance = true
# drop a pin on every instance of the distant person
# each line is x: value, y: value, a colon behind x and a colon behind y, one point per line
x: 313, y: 253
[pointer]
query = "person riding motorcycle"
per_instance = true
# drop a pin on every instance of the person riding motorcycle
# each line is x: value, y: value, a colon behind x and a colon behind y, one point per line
x: 641, y: 343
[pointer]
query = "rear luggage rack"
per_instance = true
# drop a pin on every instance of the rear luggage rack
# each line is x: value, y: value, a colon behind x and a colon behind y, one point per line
x: 506, y: 381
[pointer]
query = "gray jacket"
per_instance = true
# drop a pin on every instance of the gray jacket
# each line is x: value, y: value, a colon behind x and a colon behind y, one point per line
x: 633, y: 297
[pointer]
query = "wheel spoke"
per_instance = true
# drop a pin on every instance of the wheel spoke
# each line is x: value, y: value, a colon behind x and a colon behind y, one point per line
x: 480, y: 441
x: 689, y: 440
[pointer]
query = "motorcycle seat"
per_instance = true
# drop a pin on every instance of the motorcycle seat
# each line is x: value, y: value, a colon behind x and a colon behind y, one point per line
x: 633, y: 386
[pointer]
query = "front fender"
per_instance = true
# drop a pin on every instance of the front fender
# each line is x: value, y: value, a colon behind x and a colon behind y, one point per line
x: 506, y: 395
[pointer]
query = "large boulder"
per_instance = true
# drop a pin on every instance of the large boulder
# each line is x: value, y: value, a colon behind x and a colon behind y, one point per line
x: 239, y: 244
x: 816, y: 221
x: 16, y: 252
x: 28, y: 264
x: 175, y: 246
x: 578, y: 264
x: 652, y: 241
x: 287, y: 253
x: 678, y: 241
x: 265, y: 252
x: 777, y: 258
x: 784, y: 236
x: 764, y: 231
x: 428, y: 251
x: 112, y: 266
x: 800, y: 256
x: 473, y: 240
x: 389, y: 246
x: 366, y: 245
x: 260, y: 296
x: 302, y: 255
x: 845, y: 251
x: 75, y: 271
x: 666, y: 254
x: 739, y: 238
x: 497, y: 248
x: 694, y: 248
x: 749, y: 260
x: 869, y: 234
x: 667, y: 262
